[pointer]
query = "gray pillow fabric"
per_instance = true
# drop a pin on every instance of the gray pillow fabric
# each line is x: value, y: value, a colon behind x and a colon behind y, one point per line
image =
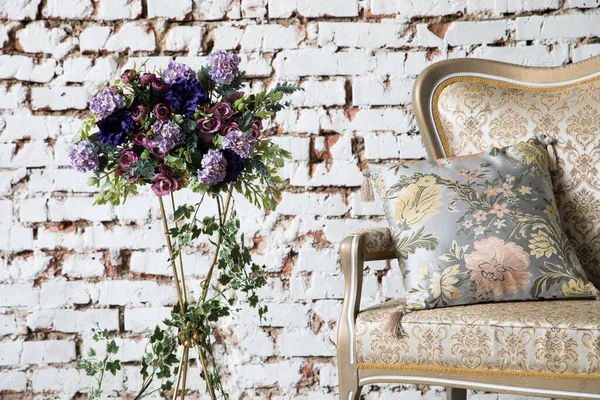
x: 479, y: 228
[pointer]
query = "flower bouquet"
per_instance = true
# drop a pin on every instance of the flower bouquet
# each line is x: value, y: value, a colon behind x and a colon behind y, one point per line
x: 173, y: 129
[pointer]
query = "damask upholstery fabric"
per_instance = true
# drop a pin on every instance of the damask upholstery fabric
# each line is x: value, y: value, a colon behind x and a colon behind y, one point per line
x: 478, y: 229
x: 475, y: 114
x: 557, y: 336
x: 376, y: 240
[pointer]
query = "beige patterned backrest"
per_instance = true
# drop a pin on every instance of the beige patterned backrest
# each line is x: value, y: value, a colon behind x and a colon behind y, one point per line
x: 466, y: 106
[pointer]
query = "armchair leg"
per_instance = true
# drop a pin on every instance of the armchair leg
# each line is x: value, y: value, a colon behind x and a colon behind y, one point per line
x: 456, y: 394
x: 349, y: 391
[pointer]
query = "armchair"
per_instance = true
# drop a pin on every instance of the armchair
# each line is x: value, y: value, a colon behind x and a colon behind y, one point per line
x: 541, y: 348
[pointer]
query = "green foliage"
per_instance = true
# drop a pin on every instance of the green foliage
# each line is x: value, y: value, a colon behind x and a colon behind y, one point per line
x: 93, y: 366
x: 160, y: 362
x: 88, y: 124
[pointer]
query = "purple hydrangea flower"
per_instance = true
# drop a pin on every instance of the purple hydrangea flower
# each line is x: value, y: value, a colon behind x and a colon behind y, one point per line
x: 169, y: 130
x: 185, y: 95
x: 242, y: 145
x: 115, y: 127
x: 106, y: 102
x: 235, y: 165
x: 223, y: 66
x: 214, y: 167
x: 83, y: 158
x: 177, y: 70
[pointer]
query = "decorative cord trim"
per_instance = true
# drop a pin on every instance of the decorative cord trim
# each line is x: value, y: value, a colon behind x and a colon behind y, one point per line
x: 481, y: 372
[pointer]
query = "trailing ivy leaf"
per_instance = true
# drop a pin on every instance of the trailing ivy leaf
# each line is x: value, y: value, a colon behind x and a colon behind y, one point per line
x: 188, y: 125
x: 191, y: 143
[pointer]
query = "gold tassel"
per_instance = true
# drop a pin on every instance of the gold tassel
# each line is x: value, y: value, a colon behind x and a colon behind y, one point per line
x: 394, y: 325
x: 366, y: 190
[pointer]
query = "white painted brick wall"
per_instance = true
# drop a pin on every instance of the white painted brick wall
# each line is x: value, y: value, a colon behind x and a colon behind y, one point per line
x: 66, y: 264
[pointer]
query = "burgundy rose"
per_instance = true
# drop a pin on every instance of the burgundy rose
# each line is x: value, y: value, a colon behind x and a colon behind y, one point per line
x: 160, y: 86
x: 129, y: 75
x: 235, y: 96
x: 147, y: 78
x: 137, y: 113
x: 231, y: 127
x: 223, y: 111
x: 209, y: 125
x: 256, y: 128
x: 162, y: 111
x: 128, y: 159
x: 164, y: 182
x: 141, y: 140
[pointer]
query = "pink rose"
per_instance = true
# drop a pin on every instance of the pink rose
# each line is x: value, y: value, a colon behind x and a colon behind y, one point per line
x: 223, y: 111
x: 160, y: 86
x: 147, y: 78
x: 498, y: 267
x: 141, y: 140
x: 129, y: 75
x: 164, y: 182
x: 230, y: 128
x: 137, y: 113
x: 209, y: 125
x: 128, y: 159
x: 162, y: 111
x: 256, y: 128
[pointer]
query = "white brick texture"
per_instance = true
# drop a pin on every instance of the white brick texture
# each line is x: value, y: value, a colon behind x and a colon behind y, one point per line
x: 66, y: 264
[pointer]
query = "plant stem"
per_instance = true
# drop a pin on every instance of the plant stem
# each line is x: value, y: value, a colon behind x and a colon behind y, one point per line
x: 170, y: 247
x: 179, y: 247
x: 178, y: 380
x: 185, y: 371
x: 222, y: 219
x: 207, y: 378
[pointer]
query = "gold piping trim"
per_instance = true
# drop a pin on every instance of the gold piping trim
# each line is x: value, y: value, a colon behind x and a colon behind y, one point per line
x: 492, y: 82
x: 481, y: 372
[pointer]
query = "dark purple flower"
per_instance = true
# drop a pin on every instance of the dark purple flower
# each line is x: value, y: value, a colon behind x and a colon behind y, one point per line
x: 230, y: 128
x: 209, y: 125
x: 177, y: 70
x: 256, y: 128
x: 185, y: 95
x: 164, y: 182
x: 223, y: 66
x: 160, y: 86
x: 147, y: 78
x: 138, y: 112
x: 235, y: 165
x: 106, y: 102
x: 223, y: 111
x: 115, y: 127
x: 162, y: 111
x: 129, y: 75
x: 128, y: 159
x: 242, y: 144
x: 214, y: 167
x: 83, y: 158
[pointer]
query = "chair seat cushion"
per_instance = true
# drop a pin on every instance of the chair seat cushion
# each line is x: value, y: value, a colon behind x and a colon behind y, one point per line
x: 541, y: 337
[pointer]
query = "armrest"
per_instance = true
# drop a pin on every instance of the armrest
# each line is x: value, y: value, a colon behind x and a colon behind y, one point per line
x: 361, y: 246
x: 377, y: 244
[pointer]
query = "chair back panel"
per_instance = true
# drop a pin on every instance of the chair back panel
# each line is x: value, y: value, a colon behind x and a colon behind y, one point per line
x: 467, y: 106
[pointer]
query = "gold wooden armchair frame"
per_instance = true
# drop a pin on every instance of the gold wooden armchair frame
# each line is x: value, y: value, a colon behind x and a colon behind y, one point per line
x: 376, y: 244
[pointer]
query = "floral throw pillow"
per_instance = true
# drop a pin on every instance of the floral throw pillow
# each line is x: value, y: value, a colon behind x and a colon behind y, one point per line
x: 479, y: 228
